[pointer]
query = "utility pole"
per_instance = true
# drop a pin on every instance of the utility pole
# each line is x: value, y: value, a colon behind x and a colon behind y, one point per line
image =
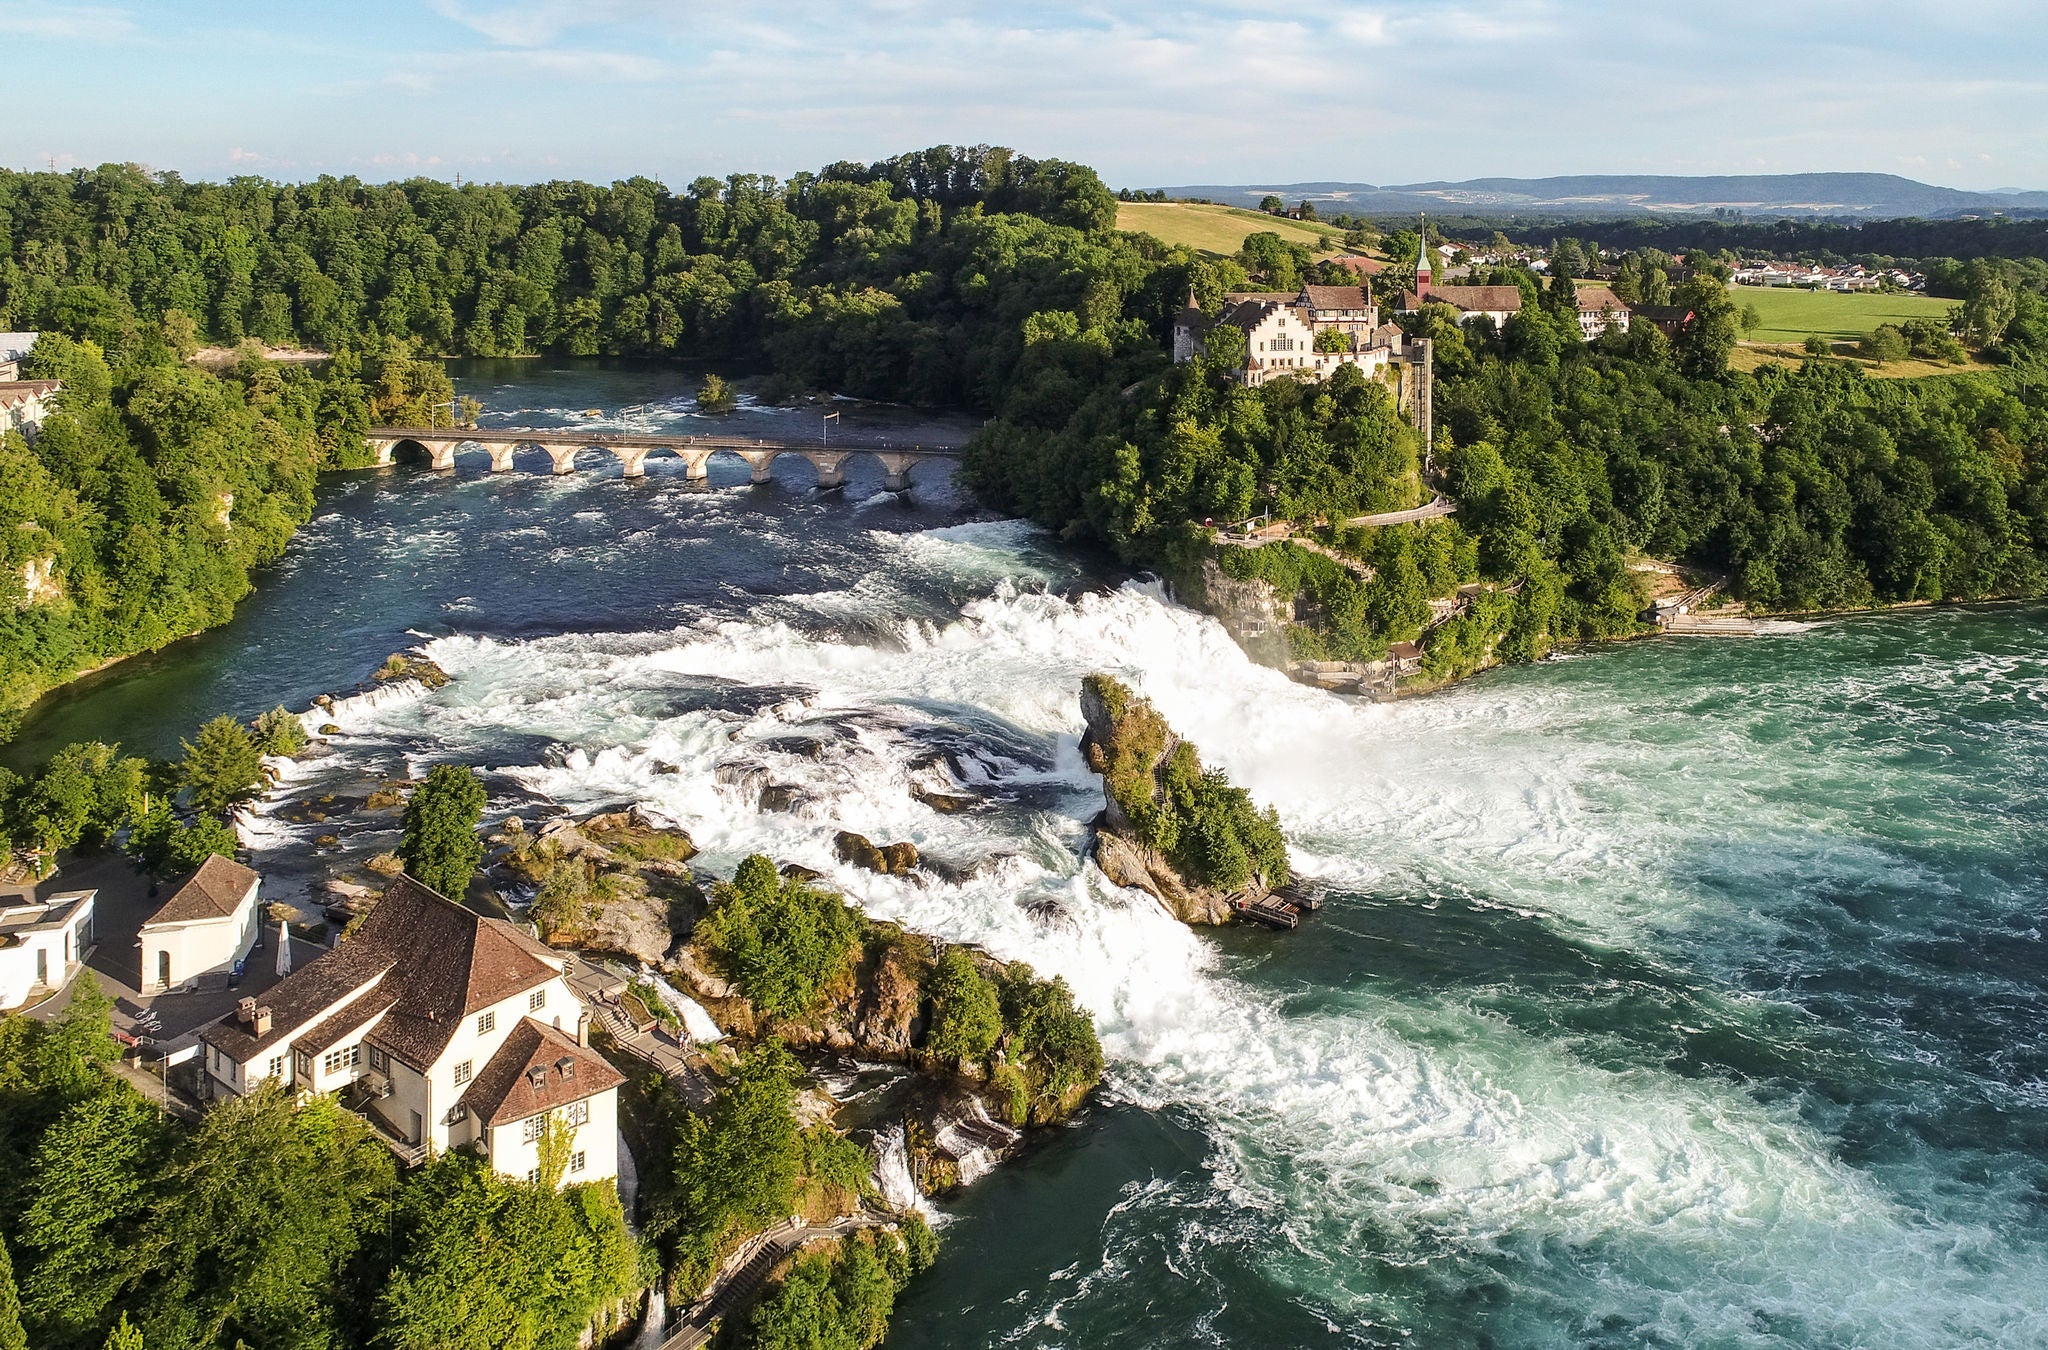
x: 826, y: 423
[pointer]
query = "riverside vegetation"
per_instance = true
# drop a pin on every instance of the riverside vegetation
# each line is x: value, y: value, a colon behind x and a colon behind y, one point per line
x: 977, y: 277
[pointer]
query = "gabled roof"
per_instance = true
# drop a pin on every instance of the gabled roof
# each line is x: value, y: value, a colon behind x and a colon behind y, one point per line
x: 537, y: 1069
x: 1594, y: 298
x: 21, y: 391
x: 1501, y: 299
x: 430, y: 961
x: 215, y: 891
x: 1337, y: 297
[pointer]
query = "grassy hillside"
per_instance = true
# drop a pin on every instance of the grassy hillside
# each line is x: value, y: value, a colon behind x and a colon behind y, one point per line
x: 1215, y: 229
x: 1789, y: 315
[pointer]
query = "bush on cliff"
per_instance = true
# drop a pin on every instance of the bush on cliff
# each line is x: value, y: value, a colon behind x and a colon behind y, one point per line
x: 841, y: 1299
x: 967, y: 1015
x: 1207, y: 829
x: 781, y: 941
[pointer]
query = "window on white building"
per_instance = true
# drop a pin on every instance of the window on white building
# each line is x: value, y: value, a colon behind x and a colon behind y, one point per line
x: 277, y: 1066
x: 579, y: 1113
x: 529, y: 1128
x: 337, y: 1060
x: 575, y: 1162
x: 462, y: 1072
x: 379, y: 1061
x: 533, y: 1176
x: 538, y: 1001
x: 486, y: 1023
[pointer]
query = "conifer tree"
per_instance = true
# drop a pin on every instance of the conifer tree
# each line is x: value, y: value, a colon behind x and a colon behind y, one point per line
x: 440, y: 846
x: 222, y: 768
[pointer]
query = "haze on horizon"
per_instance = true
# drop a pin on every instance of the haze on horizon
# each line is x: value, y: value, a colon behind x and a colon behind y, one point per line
x: 1150, y: 93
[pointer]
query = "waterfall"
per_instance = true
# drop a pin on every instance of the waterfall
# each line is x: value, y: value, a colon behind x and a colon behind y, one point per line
x: 892, y: 1173
x: 654, y: 1324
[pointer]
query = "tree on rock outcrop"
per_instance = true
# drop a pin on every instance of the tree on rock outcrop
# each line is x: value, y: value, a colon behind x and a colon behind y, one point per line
x: 1160, y: 794
x: 223, y: 766
x: 441, y: 847
x: 778, y: 939
x: 967, y: 1015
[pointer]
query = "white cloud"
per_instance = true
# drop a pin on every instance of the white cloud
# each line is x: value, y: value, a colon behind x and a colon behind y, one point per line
x: 64, y: 23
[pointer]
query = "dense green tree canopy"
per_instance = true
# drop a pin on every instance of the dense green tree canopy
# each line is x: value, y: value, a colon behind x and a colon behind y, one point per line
x: 440, y: 845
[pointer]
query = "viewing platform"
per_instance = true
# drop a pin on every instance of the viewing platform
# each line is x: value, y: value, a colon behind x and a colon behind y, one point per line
x: 438, y: 446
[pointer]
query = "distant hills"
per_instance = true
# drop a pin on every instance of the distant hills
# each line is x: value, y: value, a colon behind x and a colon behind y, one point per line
x: 1871, y: 196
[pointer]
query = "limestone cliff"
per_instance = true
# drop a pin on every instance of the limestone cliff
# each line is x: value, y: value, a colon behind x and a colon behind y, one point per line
x: 1253, y: 612
x: 1185, y: 837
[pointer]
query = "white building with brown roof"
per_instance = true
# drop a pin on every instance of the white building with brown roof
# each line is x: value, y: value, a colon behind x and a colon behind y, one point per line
x: 445, y: 1028
x: 1281, y: 329
x: 1600, y: 310
x: 208, y: 927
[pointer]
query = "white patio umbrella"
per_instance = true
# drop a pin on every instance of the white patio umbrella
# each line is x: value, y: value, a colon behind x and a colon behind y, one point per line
x: 284, y: 948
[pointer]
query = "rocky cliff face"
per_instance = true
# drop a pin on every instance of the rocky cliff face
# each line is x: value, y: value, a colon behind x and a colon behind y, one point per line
x: 1254, y: 614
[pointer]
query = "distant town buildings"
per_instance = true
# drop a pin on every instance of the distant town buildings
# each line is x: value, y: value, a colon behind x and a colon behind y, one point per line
x: 1813, y: 276
x: 1600, y: 309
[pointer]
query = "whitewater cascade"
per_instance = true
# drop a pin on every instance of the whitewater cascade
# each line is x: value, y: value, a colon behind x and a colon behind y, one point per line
x: 1457, y: 1129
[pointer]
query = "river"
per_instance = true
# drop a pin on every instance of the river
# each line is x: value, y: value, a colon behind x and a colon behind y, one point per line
x: 1687, y: 993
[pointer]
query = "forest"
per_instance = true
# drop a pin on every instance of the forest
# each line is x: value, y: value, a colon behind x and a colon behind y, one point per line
x: 973, y: 276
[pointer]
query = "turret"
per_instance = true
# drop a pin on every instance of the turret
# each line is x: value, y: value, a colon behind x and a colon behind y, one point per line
x: 1422, y: 268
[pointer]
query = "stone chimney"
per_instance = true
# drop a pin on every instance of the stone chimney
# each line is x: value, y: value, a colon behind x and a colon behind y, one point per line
x: 259, y: 1021
x: 583, y: 1028
x: 245, y: 1012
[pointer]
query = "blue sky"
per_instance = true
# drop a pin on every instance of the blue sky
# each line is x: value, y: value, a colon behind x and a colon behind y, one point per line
x: 1151, y: 93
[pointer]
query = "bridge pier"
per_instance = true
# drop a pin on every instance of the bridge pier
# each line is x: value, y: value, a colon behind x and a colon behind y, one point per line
x: 501, y: 458
x: 564, y: 457
x: 831, y: 467
x: 443, y: 453
x: 760, y: 461
x: 895, y: 470
x: 696, y: 465
x: 632, y: 461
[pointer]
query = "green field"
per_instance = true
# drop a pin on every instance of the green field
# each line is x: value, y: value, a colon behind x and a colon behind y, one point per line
x: 1214, y: 229
x: 1789, y: 315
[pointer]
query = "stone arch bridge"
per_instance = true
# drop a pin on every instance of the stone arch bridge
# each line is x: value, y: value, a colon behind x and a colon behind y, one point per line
x: 562, y: 444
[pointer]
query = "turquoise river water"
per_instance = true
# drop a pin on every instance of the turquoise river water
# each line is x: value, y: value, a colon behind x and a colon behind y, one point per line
x: 1689, y: 993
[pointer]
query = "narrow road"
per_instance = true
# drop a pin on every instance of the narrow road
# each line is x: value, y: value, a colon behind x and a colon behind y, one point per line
x: 747, y: 1271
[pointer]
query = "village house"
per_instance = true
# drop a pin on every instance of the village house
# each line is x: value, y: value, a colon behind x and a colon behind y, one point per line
x: 445, y: 1029
x: 1600, y: 309
x: 43, y: 943
x: 25, y: 404
x: 207, y: 928
x: 1281, y: 329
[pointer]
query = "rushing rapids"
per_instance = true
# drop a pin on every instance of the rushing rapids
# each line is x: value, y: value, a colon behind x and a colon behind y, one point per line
x: 1674, y: 995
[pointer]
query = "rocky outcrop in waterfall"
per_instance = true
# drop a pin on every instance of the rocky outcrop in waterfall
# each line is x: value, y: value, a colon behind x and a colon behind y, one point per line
x: 1172, y: 830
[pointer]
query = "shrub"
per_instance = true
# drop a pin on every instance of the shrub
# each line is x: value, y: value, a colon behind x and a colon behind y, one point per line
x: 778, y: 939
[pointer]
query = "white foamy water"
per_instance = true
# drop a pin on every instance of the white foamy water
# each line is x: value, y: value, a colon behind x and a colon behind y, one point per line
x: 1416, y: 1129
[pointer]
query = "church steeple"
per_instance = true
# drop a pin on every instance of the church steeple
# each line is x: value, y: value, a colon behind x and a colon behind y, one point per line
x: 1422, y: 268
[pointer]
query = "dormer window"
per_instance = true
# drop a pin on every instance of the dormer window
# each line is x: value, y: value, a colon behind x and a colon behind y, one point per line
x: 566, y: 1067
